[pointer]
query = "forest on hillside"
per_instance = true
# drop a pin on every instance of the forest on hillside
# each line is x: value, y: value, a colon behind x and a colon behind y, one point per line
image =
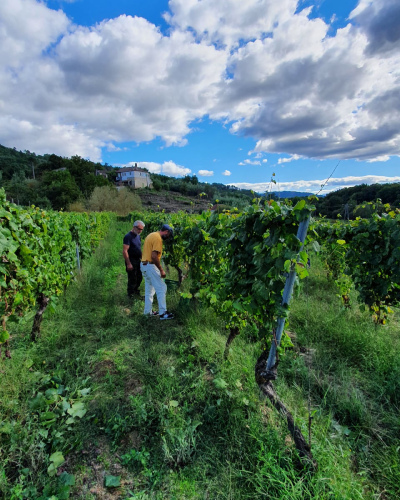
x: 359, y: 201
x: 51, y: 181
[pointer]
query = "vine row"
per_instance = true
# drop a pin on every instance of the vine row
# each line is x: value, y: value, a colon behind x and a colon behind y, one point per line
x: 39, y: 257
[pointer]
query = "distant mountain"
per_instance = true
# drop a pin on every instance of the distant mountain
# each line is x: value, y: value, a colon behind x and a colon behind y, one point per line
x: 290, y: 194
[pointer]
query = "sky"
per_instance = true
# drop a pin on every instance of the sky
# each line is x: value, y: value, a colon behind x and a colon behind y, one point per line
x: 238, y: 92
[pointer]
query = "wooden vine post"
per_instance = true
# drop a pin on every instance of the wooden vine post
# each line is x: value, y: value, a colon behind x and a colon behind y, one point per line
x: 266, y: 368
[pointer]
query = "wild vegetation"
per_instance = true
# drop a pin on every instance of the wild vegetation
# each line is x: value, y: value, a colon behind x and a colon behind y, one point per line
x: 359, y: 201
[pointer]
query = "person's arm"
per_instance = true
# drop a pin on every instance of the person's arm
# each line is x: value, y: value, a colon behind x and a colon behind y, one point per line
x: 155, y: 259
x: 126, y: 257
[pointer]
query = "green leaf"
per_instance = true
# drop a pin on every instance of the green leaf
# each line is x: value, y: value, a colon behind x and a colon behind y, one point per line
x: 38, y: 402
x: 67, y: 479
x: 4, y: 335
x: 316, y: 246
x: 341, y: 242
x: 238, y: 306
x: 18, y: 298
x: 57, y: 459
x: 77, y: 410
x: 173, y: 403
x: 48, y: 415
x: 85, y: 392
x: 5, y: 428
x: 220, y: 383
x: 300, y: 205
x: 112, y: 481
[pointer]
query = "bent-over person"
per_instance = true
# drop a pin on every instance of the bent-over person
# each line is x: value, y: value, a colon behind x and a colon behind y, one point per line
x: 132, y: 253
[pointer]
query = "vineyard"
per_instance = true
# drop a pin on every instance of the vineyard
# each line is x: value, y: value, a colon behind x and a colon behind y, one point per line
x: 40, y: 254
x: 154, y: 405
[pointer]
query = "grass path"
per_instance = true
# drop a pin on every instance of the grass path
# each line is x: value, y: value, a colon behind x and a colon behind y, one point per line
x: 110, y: 404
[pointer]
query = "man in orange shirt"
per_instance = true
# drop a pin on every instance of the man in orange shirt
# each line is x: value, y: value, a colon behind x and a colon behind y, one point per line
x: 153, y: 272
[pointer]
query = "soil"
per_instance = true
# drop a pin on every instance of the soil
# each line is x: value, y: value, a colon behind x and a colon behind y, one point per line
x: 172, y: 202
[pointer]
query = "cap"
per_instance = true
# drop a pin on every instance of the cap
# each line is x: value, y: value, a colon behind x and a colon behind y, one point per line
x: 166, y: 227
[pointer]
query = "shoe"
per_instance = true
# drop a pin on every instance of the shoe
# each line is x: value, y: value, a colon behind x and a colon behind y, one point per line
x: 167, y: 315
x: 152, y: 314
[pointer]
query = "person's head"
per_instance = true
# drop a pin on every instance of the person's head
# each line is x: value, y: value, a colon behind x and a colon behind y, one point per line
x: 166, y: 232
x: 138, y: 226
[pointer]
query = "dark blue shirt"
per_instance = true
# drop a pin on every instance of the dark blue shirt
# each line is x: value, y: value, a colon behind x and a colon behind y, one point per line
x: 135, y: 250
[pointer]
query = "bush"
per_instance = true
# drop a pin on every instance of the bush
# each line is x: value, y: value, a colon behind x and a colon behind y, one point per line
x: 110, y: 199
x: 77, y: 206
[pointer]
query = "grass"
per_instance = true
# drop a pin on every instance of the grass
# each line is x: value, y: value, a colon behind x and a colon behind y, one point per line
x: 156, y: 408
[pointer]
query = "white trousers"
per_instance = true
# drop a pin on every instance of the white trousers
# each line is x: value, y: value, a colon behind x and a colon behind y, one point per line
x: 154, y: 284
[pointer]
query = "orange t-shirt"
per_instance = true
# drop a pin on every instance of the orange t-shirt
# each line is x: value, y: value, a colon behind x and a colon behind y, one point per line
x: 153, y: 242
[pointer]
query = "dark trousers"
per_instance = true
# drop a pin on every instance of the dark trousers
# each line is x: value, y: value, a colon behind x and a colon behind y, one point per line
x: 134, y: 278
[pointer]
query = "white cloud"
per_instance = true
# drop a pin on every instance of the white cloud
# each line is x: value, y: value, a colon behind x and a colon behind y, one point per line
x: 119, y: 81
x: 313, y: 186
x: 226, y: 172
x: 205, y: 173
x: 250, y: 162
x: 229, y: 21
x: 288, y: 160
x: 167, y: 168
x: 274, y: 74
x: 27, y: 28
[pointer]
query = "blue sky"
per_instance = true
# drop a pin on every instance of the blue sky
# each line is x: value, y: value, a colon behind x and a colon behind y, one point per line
x: 229, y: 90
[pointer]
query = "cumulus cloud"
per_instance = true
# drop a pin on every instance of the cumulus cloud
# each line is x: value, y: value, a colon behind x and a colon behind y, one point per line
x: 313, y: 186
x: 118, y: 81
x: 205, y: 173
x: 167, y: 168
x: 250, y: 162
x: 288, y: 160
x: 230, y: 21
x: 380, y: 20
x: 226, y: 172
x: 266, y: 68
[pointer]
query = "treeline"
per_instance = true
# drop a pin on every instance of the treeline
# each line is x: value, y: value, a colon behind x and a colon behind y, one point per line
x: 359, y: 201
x: 49, y: 181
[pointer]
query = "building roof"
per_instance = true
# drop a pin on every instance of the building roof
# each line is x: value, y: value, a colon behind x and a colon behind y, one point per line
x: 132, y: 169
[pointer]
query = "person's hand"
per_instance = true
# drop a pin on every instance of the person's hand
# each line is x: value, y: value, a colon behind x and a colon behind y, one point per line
x: 163, y: 274
x: 129, y: 267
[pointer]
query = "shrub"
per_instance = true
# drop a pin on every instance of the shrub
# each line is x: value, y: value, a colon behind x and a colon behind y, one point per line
x: 109, y: 199
x: 77, y: 206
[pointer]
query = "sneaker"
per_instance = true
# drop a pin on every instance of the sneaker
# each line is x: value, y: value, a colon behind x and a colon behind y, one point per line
x: 167, y: 315
x: 152, y: 314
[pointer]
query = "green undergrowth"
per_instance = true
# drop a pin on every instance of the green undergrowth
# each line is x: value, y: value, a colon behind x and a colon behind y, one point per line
x: 110, y: 404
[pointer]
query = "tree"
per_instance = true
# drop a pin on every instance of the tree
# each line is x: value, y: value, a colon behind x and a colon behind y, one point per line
x: 60, y: 188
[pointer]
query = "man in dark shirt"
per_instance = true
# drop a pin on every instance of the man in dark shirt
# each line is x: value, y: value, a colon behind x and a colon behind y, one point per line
x: 132, y: 253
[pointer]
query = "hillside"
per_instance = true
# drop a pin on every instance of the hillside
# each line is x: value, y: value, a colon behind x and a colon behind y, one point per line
x: 171, y: 202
